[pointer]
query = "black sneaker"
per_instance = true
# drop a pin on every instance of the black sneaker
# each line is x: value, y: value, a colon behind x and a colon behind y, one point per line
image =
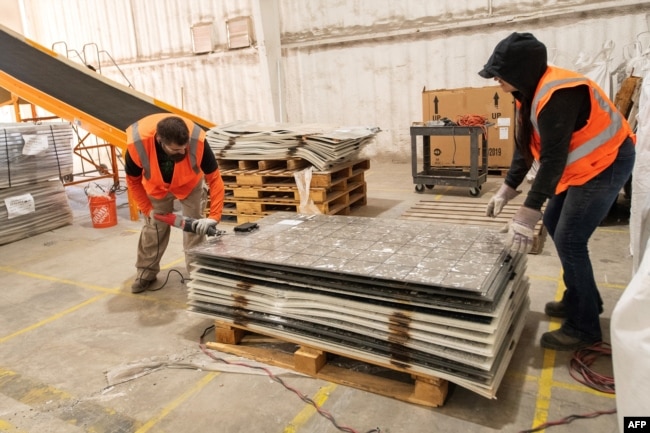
x: 555, y: 309
x: 140, y: 285
x: 558, y: 340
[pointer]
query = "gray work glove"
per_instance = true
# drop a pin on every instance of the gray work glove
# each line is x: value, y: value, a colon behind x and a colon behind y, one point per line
x: 201, y: 226
x: 521, y: 230
x: 500, y: 199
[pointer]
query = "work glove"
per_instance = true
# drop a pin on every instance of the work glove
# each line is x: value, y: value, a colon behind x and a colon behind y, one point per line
x: 500, y: 199
x: 201, y: 226
x: 521, y: 230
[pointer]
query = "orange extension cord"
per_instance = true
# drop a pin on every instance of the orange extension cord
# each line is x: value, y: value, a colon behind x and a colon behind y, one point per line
x: 472, y: 120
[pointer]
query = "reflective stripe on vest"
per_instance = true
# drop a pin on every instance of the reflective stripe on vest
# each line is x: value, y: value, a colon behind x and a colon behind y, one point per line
x: 194, y: 144
x: 144, y: 158
x: 142, y: 153
x: 588, y: 146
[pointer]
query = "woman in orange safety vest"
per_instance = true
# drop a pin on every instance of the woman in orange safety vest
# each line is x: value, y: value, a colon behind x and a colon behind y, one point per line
x: 585, y: 150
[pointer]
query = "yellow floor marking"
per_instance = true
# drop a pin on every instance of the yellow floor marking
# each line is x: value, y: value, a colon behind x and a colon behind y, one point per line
x: 6, y: 426
x: 41, y: 394
x: 572, y: 386
x: 546, y: 381
x: 173, y: 263
x: 50, y: 401
x: 582, y: 388
x: 58, y: 280
x: 304, y: 415
x: 542, y: 277
x: 177, y: 402
x: 116, y: 291
x: 614, y: 230
x: 599, y: 284
x: 52, y: 318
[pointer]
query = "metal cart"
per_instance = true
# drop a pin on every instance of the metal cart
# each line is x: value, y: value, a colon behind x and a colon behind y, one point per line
x: 474, y: 177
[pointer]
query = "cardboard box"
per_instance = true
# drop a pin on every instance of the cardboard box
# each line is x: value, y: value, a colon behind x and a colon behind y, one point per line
x: 497, y: 106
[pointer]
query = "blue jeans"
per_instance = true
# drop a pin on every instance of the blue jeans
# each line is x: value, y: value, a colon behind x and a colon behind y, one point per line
x: 571, y: 218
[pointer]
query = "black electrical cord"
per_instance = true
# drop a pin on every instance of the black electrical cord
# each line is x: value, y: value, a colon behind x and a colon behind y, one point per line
x: 183, y: 279
x: 325, y: 414
x: 117, y: 189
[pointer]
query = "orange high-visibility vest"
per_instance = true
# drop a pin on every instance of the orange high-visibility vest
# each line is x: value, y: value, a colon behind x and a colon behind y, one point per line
x: 141, y: 144
x: 594, y: 147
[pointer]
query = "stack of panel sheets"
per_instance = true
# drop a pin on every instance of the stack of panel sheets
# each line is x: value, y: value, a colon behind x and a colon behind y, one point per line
x: 33, y: 153
x: 28, y: 210
x: 321, y: 145
x: 440, y: 300
x: 33, y: 160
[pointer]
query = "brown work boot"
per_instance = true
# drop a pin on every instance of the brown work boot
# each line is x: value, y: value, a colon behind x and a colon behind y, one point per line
x: 555, y: 309
x: 558, y: 340
x: 140, y: 285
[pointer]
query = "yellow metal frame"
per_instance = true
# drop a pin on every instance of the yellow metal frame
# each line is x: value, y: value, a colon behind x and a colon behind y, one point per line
x: 113, y: 136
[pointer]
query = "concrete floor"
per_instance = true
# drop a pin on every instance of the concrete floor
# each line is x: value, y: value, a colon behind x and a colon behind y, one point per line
x: 70, y: 327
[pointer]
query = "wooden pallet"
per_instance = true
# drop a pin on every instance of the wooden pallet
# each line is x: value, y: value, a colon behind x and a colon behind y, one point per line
x: 338, y: 203
x: 282, y: 176
x: 498, y: 171
x: 628, y: 96
x: 419, y: 389
x: 255, y: 189
x: 265, y: 164
x: 289, y: 192
x: 451, y: 212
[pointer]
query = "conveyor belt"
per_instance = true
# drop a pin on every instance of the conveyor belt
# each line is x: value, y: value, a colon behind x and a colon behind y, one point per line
x: 73, y: 92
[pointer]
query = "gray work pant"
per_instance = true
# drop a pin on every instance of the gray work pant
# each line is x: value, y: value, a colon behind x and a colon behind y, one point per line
x: 154, y: 236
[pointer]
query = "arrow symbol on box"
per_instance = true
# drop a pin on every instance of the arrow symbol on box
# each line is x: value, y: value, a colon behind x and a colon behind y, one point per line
x: 435, y: 105
x: 496, y: 99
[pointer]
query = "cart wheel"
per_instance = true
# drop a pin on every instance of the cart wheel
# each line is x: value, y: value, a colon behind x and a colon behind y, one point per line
x: 429, y: 186
x: 419, y: 187
x: 474, y: 191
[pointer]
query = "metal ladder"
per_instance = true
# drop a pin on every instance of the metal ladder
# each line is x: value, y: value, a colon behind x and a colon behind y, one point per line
x: 99, y: 159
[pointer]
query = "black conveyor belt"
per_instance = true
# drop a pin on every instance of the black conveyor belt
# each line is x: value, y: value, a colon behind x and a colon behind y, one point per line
x: 68, y: 84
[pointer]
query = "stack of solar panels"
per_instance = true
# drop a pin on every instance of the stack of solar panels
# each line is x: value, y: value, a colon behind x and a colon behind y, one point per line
x: 440, y: 300
x: 33, y: 153
x: 321, y: 145
x: 28, y: 210
x: 33, y: 160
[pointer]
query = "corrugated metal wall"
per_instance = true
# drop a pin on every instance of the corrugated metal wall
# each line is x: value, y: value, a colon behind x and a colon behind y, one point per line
x: 342, y: 61
x: 131, y: 30
x: 373, y: 70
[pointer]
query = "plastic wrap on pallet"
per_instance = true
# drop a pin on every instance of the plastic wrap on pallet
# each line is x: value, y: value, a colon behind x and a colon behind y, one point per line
x: 29, y: 210
x: 32, y: 153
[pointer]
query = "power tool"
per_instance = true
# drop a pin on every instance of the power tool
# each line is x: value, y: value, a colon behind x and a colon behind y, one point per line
x: 186, y: 224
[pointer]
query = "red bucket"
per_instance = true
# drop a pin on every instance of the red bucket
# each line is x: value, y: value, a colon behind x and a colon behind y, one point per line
x: 103, y: 211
